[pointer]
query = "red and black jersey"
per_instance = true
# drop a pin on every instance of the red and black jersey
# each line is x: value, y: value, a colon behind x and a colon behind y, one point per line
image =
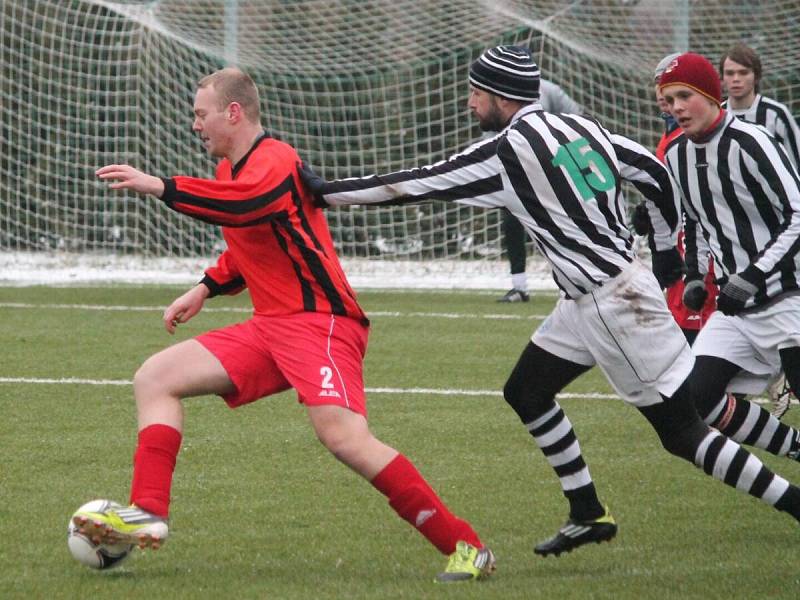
x: 279, y: 245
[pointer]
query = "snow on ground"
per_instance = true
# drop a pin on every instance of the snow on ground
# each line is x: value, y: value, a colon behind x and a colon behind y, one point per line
x: 30, y: 268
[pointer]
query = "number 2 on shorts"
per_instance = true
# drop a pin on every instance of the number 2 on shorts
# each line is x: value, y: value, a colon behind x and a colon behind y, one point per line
x: 327, y: 375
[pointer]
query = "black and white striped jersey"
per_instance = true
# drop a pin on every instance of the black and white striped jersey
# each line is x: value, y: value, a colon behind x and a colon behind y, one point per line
x: 742, y: 201
x: 775, y: 118
x: 560, y: 175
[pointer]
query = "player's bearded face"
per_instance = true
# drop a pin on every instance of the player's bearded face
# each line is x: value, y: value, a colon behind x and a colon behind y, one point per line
x: 493, y: 120
x: 486, y: 108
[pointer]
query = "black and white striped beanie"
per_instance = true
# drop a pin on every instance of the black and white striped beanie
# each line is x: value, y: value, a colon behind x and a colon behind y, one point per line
x: 507, y: 71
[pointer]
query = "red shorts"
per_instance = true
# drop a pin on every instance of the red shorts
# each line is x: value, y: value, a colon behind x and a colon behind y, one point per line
x: 685, y: 317
x: 319, y: 355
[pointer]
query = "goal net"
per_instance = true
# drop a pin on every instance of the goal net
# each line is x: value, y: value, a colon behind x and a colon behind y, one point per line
x: 357, y: 87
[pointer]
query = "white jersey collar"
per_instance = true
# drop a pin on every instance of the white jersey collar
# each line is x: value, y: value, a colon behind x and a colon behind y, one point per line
x: 525, y: 110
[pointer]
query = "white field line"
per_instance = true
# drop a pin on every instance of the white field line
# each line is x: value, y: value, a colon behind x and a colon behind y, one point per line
x: 379, y: 390
x: 223, y: 309
x: 376, y: 390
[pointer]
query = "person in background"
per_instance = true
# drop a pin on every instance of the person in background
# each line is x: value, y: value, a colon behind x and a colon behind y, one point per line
x: 554, y: 100
x: 741, y: 72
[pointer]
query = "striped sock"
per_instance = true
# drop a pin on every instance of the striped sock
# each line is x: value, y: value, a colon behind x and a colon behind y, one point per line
x: 748, y: 423
x: 727, y: 461
x: 553, y: 433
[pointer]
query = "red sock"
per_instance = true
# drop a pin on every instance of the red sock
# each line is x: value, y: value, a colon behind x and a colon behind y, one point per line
x: 153, y: 465
x: 414, y: 500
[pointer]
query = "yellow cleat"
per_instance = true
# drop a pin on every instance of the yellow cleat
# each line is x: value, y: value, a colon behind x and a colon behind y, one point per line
x: 467, y: 563
x: 130, y: 525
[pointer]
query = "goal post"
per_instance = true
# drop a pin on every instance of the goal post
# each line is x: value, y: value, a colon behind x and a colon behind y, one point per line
x: 357, y: 87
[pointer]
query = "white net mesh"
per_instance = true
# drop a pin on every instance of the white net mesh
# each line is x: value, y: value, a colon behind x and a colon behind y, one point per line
x: 357, y: 87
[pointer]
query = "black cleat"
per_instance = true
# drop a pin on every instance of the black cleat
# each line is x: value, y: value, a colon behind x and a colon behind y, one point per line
x: 514, y: 295
x: 577, y: 533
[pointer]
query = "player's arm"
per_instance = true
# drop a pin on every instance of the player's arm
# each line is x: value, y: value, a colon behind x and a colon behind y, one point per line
x: 125, y: 177
x: 222, y: 278
x: 696, y: 257
x: 696, y: 250
x: 788, y: 132
x: 252, y: 198
x: 661, y: 195
x: 767, y: 172
x: 248, y: 200
x: 662, y: 203
x: 472, y: 174
x: 780, y: 183
x: 185, y: 307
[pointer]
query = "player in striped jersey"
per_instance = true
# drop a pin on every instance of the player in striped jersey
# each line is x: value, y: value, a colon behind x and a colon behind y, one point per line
x: 561, y: 176
x: 742, y: 199
x: 307, y: 331
x: 740, y: 69
x: 553, y: 99
x: 690, y: 321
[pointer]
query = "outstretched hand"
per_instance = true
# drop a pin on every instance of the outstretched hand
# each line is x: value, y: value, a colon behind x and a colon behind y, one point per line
x: 313, y: 182
x: 128, y: 178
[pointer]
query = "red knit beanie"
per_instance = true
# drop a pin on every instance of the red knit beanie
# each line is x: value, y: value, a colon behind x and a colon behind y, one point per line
x: 696, y: 72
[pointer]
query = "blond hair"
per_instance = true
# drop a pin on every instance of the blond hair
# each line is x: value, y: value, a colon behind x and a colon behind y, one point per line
x: 233, y: 85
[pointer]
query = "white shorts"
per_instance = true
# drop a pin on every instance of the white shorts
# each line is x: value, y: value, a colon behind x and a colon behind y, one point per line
x: 626, y: 329
x: 752, y: 341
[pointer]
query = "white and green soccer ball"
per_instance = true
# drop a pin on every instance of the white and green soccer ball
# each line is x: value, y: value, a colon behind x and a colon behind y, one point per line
x: 85, y: 551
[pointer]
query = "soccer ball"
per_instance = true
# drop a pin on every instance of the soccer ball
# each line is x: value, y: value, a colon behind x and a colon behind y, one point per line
x: 85, y: 551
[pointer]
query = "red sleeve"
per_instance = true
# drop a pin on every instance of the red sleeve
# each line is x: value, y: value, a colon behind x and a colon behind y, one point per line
x: 224, y: 277
x: 249, y: 199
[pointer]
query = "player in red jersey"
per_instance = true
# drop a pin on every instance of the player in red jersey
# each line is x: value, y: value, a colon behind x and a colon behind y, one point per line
x: 307, y: 331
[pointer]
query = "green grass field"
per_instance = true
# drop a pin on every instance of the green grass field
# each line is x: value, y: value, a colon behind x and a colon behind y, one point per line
x: 261, y: 510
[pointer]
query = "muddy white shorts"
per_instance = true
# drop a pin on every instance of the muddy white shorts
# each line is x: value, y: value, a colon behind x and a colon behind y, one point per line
x: 626, y: 329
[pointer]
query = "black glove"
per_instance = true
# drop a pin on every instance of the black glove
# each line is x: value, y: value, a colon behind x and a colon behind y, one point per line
x: 313, y: 182
x: 640, y: 219
x: 668, y: 267
x: 739, y: 288
x: 695, y: 293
